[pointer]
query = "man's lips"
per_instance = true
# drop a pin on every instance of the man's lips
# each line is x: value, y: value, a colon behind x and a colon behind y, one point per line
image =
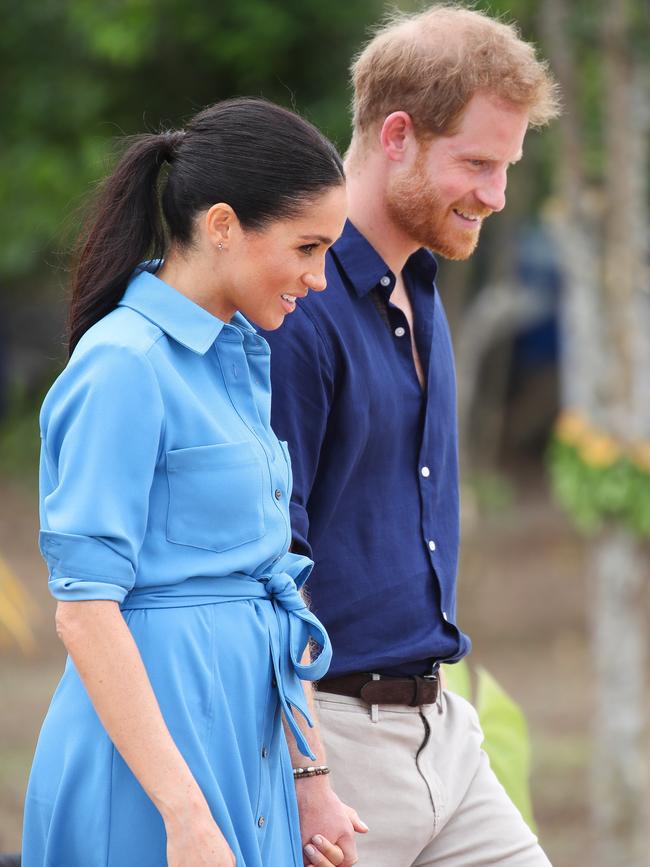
x: 472, y: 218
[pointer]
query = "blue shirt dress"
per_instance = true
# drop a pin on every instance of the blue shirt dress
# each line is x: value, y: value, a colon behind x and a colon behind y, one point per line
x: 164, y: 489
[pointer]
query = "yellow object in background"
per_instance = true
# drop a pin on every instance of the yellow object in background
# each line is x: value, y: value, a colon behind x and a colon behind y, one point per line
x: 16, y: 611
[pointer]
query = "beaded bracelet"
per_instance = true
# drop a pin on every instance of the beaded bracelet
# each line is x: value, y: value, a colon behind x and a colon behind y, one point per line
x: 301, y: 773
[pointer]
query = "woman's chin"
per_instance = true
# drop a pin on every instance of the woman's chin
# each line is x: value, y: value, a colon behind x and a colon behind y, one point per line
x: 270, y: 322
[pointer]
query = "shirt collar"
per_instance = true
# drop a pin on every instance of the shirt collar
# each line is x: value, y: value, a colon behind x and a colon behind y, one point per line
x: 174, y: 313
x: 365, y: 267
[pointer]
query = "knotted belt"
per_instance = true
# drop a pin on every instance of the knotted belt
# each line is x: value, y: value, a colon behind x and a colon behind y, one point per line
x: 289, y: 631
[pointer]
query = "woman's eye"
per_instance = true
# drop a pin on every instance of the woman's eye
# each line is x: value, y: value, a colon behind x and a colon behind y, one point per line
x: 308, y: 248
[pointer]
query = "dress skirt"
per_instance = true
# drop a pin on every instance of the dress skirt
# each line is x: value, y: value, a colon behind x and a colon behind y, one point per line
x: 211, y: 668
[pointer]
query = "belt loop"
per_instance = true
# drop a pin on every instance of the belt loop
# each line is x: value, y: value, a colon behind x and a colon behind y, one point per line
x: 374, y: 708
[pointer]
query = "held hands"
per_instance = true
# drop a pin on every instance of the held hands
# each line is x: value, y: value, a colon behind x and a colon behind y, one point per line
x: 327, y: 825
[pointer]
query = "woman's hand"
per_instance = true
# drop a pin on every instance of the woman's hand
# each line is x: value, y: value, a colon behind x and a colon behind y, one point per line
x: 324, y: 816
x: 321, y: 853
x: 197, y: 842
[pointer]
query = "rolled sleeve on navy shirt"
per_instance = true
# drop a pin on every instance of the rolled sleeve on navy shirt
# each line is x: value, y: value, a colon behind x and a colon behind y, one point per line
x: 375, y: 461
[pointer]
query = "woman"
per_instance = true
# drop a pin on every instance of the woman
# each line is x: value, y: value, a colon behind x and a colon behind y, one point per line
x: 164, y: 506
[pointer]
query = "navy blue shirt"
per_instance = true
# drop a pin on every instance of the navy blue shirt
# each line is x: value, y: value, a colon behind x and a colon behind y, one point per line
x: 375, y: 498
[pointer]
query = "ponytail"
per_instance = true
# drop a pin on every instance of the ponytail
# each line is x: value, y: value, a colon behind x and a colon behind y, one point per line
x: 125, y: 228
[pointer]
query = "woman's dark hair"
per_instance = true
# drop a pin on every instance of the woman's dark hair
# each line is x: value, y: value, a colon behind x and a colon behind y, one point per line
x: 261, y: 159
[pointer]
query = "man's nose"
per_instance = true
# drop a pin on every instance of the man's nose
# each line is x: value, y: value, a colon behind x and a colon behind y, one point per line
x: 492, y: 193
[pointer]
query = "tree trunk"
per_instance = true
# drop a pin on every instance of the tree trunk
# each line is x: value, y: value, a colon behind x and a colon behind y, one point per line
x: 574, y: 218
x: 619, y: 646
x: 605, y: 360
x: 620, y: 770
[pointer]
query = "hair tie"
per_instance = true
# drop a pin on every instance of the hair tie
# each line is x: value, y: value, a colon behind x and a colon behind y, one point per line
x: 170, y: 141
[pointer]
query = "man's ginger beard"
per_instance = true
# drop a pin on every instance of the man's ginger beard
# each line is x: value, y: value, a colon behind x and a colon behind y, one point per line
x: 414, y: 204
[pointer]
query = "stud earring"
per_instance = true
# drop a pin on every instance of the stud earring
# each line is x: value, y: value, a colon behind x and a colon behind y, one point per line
x: 220, y: 246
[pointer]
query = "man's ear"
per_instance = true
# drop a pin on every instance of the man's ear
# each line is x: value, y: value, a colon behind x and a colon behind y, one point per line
x: 397, y: 136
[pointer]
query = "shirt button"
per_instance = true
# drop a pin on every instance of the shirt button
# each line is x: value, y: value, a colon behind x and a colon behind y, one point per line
x: 261, y: 822
x: 432, y: 545
x: 426, y: 472
x: 385, y: 281
x: 265, y: 750
x: 278, y: 494
x: 399, y: 331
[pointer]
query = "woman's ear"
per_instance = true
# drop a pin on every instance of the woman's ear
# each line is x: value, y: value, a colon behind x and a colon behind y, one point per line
x: 221, y: 225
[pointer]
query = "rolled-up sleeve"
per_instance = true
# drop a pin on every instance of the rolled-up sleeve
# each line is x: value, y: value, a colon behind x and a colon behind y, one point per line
x: 302, y: 386
x: 101, y: 427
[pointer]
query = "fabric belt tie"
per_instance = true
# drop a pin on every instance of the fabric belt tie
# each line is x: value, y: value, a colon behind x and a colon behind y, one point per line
x: 289, y: 630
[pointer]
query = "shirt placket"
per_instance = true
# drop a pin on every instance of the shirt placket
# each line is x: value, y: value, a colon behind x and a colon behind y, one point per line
x: 243, y: 382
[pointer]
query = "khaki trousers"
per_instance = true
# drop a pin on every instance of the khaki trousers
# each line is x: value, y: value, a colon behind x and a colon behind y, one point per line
x: 434, y: 804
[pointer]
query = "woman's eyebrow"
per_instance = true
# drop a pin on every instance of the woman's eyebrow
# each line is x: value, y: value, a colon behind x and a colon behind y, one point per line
x: 321, y: 238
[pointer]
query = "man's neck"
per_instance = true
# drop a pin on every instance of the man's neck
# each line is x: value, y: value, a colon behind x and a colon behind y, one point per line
x: 367, y: 211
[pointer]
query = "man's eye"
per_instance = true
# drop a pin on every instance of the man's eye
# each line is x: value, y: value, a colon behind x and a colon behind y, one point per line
x: 478, y: 163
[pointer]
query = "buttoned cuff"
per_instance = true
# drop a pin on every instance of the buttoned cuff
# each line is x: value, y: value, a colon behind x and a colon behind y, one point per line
x: 82, y: 568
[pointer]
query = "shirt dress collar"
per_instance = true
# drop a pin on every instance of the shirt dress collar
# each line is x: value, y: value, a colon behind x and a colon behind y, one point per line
x: 174, y: 313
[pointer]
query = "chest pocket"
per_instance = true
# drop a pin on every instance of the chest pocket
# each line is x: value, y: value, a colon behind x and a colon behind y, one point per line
x: 215, y: 496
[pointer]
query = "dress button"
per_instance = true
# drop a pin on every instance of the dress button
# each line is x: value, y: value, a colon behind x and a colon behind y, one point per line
x: 385, y: 281
x: 444, y: 615
x: 432, y: 545
x: 426, y: 472
x: 399, y: 331
x: 261, y: 822
x: 278, y: 494
x: 265, y: 751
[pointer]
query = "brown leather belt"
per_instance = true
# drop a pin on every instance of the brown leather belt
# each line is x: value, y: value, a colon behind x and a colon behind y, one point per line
x: 412, y: 691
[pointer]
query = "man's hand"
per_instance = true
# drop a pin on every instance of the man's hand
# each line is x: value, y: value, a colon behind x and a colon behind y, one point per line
x: 323, y: 815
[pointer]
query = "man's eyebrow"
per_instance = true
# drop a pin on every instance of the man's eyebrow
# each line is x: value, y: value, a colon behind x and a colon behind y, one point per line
x: 487, y: 157
x: 320, y: 238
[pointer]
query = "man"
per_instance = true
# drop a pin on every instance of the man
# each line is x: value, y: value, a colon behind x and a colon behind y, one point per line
x: 364, y: 392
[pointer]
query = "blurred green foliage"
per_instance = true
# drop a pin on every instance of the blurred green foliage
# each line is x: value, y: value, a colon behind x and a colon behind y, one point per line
x: 506, y: 742
x: 595, y: 494
x: 20, y: 438
x: 74, y: 74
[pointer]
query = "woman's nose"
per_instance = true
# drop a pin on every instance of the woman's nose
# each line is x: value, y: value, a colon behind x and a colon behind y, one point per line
x: 315, y: 281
